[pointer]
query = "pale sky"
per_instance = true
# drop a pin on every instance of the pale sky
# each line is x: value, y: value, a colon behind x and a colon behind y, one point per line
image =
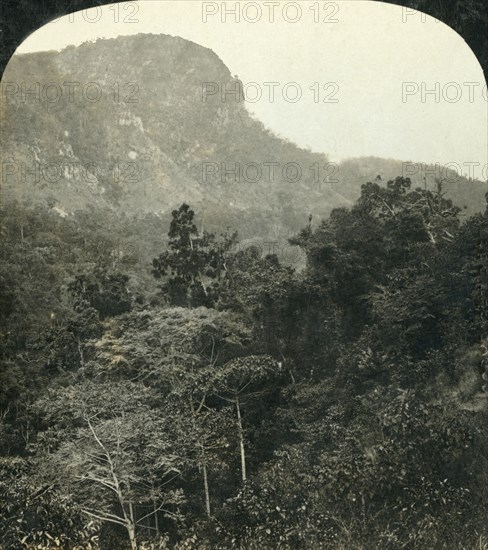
x: 373, y: 64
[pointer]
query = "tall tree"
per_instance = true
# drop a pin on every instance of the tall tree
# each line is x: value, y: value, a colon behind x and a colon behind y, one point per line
x: 238, y: 383
x: 195, y: 263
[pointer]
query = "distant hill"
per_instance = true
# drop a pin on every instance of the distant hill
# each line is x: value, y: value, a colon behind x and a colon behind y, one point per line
x: 123, y: 124
x: 466, y: 193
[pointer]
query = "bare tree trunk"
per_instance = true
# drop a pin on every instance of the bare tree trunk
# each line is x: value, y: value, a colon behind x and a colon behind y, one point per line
x: 80, y: 351
x: 128, y: 519
x: 156, y: 519
x: 205, y: 488
x: 203, y: 461
x: 131, y: 528
x: 241, y: 440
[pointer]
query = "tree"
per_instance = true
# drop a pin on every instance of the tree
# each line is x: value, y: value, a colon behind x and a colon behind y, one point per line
x: 237, y: 383
x: 195, y: 264
x: 36, y: 515
x: 209, y: 434
x: 268, y: 296
x: 105, y: 291
x: 123, y: 458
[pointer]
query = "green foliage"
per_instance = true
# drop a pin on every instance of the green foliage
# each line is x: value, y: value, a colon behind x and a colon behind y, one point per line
x: 38, y: 516
x: 116, y: 449
x: 243, y: 374
x: 342, y: 405
x: 195, y: 263
x: 265, y: 293
x: 103, y: 291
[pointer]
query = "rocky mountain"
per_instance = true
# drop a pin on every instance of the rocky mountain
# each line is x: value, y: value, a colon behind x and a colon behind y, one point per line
x: 139, y: 125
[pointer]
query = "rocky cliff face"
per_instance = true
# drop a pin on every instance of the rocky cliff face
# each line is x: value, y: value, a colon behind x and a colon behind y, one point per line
x: 141, y: 124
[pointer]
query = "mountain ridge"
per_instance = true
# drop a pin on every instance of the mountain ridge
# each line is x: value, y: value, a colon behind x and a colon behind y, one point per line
x: 123, y: 123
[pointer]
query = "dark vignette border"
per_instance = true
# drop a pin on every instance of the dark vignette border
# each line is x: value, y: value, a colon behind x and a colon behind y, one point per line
x: 19, y: 18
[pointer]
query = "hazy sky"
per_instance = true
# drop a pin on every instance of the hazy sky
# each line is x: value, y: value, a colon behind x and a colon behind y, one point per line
x: 363, y: 69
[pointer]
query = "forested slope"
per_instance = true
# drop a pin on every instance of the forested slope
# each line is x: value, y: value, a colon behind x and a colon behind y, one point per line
x: 244, y: 404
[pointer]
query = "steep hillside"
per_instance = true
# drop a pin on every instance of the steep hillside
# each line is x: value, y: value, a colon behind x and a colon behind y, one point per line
x: 126, y: 124
x: 134, y: 132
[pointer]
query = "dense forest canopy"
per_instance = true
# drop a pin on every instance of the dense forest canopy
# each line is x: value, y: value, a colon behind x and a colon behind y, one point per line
x: 215, y: 398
